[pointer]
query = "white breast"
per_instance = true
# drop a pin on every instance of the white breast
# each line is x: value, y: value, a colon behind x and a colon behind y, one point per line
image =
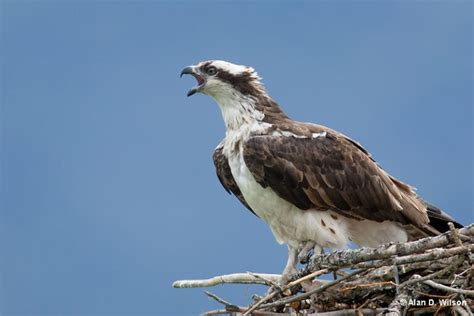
x: 288, y: 223
x: 294, y: 226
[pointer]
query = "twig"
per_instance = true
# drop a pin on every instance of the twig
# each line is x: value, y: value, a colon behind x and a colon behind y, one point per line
x: 228, y: 306
x: 268, y: 282
x: 396, y: 276
x: 461, y: 311
x: 307, y: 277
x: 454, y: 234
x: 442, y: 287
x: 226, y: 312
x: 231, y: 308
x: 314, y: 291
x: 433, y: 275
x: 400, y: 303
x: 468, y: 308
x: 374, y: 284
x: 288, y: 286
x: 434, y: 254
x: 350, y: 312
x: 239, y: 278
x: 420, y: 293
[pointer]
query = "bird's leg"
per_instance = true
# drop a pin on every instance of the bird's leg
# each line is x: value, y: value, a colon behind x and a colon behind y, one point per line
x: 309, y: 249
x: 289, y: 270
x: 290, y: 267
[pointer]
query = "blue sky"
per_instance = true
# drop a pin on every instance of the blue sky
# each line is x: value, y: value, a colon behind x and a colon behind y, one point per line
x: 108, y: 188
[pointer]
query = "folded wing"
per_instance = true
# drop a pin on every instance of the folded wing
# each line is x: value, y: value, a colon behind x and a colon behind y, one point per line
x: 330, y: 171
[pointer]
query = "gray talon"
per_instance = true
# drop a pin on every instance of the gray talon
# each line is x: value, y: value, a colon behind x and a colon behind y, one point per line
x: 306, y: 252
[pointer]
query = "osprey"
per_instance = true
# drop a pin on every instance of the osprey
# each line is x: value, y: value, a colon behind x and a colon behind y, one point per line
x: 315, y: 187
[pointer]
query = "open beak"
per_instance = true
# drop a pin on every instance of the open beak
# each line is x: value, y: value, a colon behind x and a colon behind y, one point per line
x: 191, y: 70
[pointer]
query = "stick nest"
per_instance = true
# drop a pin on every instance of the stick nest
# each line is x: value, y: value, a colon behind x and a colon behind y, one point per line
x: 429, y: 276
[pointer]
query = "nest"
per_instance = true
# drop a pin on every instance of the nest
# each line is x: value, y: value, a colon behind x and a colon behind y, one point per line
x: 424, y: 277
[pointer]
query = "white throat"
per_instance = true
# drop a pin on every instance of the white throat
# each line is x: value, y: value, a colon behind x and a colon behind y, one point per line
x: 238, y: 109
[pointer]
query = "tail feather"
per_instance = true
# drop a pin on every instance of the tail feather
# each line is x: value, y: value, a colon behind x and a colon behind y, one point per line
x: 439, y: 220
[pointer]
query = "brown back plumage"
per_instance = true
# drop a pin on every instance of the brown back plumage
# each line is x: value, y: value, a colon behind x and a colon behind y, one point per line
x: 330, y: 172
x: 314, y: 167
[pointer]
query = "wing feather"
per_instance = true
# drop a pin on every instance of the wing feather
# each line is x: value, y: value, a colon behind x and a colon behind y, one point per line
x: 225, y: 176
x: 331, y: 172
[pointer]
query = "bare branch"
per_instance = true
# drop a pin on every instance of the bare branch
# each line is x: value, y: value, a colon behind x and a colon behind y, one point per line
x: 288, y: 286
x: 239, y: 278
x: 400, y: 302
x: 266, y: 281
x: 314, y: 291
x: 448, y: 288
x: 228, y: 306
x: 348, y: 258
x: 350, y: 312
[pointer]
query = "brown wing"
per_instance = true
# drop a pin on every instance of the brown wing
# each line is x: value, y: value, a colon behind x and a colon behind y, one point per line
x: 225, y: 176
x: 331, y: 172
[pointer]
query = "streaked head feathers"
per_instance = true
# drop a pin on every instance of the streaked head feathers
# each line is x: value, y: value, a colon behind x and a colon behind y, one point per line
x: 217, y: 77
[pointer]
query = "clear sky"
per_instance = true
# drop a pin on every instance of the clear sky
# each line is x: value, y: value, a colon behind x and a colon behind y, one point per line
x: 108, y: 188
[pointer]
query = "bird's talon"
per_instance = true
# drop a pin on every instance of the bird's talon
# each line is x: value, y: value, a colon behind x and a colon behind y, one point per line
x: 304, y: 258
x: 306, y: 252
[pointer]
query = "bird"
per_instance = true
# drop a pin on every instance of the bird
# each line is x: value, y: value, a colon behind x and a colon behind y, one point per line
x: 315, y: 187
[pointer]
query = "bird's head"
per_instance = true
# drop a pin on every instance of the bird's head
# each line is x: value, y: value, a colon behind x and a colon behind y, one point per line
x: 220, y: 79
x: 237, y: 90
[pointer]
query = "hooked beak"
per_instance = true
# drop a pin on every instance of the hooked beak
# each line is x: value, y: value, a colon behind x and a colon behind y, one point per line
x: 191, y: 70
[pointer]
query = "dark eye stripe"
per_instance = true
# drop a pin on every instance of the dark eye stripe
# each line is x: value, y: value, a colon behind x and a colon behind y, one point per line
x: 205, y: 66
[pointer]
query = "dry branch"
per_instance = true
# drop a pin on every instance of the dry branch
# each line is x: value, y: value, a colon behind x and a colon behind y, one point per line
x: 282, y: 290
x: 351, y: 312
x: 430, y: 275
x: 348, y: 258
x: 448, y: 288
x: 239, y: 278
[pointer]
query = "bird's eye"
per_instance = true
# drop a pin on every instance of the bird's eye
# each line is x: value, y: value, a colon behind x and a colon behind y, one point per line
x: 211, y: 70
